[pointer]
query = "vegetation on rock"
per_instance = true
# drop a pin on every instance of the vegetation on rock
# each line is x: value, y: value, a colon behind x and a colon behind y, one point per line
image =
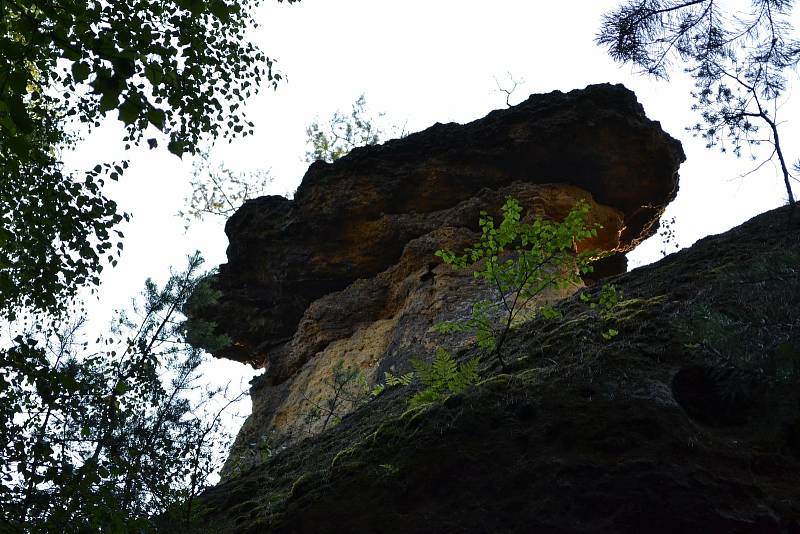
x: 346, y: 390
x: 442, y: 376
x: 387, y: 210
x: 342, y: 133
x: 520, y: 261
x: 219, y: 191
x: 583, y: 433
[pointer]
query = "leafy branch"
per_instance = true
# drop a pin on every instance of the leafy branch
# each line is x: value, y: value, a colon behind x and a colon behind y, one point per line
x: 93, y: 436
x: 520, y: 261
x: 738, y: 61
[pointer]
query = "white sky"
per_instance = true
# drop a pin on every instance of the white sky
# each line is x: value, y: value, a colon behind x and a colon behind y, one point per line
x: 420, y: 62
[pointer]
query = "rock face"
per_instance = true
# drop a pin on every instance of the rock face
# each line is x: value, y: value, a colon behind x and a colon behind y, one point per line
x: 346, y: 271
x: 688, y: 420
x: 352, y: 219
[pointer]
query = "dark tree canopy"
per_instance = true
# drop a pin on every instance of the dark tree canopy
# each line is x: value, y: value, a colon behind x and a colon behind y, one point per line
x: 104, y: 436
x: 739, y: 54
x: 182, y: 67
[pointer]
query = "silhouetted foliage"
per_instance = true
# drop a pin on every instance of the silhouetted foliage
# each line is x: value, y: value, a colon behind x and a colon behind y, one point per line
x: 101, y: 437
x: 739, y: 61
x: 219, y: 191
x: 182, y: 67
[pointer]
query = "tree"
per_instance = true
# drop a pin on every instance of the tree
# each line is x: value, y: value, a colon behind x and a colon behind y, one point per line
x: 738, y: 61
x: 342, y: 133
x: 179, y: 67
x: 219, y: 191
x: 101, y: 437
x: 509, y: 89
x: 519, y: 261
x: 344, y: 390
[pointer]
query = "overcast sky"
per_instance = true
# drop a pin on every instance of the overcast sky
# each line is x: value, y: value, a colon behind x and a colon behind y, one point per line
x: 419, y: 62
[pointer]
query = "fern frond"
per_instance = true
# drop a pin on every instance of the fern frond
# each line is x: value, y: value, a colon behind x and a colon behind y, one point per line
x: 424, y: 371
x: 401, y: 380
x: 426, y: 396
x: 443, y: 375
x: 466, y: 376
x: 443, y: 369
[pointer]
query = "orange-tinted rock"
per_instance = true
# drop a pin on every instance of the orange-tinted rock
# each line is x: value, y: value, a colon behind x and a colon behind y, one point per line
x: 353, y: 219
x: 379, y: 324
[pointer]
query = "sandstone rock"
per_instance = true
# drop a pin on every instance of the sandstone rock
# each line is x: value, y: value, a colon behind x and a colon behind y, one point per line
x: 353, y: 219
x: 346, y: 271
x: 375, y: 325
x: 687, y: 421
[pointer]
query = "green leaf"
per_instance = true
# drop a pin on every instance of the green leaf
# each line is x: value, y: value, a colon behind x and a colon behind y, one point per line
x: 443, y: 376
x: 176, y: 148
x: 153, y: 73
x: 220, y: 10
x: 427, y: 396
x: 68, y: 52
x: 548, y: 312
x: 610, y: 333
x: 194, y: 6
x: 157, y: 118
x: 18, y: 80
x: 80, y: 71
x: 5, y: 119
x: 129, y: 111
x: 19, y: 115
x: 11, y: 50
x: 109, y: 101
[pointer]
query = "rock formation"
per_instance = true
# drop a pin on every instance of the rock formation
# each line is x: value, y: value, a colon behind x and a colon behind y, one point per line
x: 688, y: 420
x: 346, y: 270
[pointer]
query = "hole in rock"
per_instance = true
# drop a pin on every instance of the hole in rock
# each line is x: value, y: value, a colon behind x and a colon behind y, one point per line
x: 717, y: 396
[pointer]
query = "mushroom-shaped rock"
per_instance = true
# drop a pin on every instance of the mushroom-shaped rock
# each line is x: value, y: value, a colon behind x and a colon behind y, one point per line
x: 353, y: 219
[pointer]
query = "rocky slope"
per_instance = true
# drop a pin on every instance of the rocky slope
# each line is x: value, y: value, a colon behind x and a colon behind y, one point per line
x: 688, y: 420
x: 346, y: 272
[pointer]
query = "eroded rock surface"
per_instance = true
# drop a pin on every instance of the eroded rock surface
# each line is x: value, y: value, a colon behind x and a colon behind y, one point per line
x: 352, y: 219
x: 687, y: 421
x: 346, y: 271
